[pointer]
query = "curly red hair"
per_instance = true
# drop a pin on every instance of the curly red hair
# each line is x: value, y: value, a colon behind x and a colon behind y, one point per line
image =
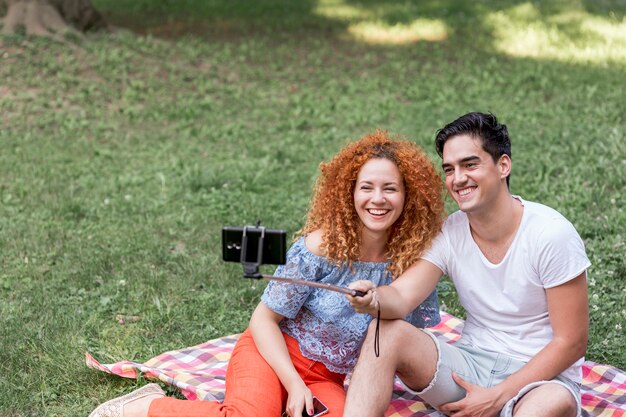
x: 332, y: 206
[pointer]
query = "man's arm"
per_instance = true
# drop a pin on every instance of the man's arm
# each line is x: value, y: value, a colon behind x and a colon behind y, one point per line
x: 400, y: 297
x: 569, y: 317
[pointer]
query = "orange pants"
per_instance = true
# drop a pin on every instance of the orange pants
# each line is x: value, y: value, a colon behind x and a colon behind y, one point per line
x: 254, y: 390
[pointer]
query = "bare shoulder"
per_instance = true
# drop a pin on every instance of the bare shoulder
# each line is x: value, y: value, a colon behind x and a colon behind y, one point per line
x: 313, y: 242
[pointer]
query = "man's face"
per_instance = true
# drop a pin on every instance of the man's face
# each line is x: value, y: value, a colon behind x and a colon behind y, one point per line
x: 472, y: 178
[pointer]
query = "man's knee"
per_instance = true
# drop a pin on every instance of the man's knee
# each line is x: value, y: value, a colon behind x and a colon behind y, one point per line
x: 396, y: 341
x: 393, y: 328
x: 549, y: 400
x: 393, y: 333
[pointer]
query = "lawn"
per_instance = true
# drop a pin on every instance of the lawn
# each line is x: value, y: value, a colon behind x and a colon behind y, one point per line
x: 123, y: 154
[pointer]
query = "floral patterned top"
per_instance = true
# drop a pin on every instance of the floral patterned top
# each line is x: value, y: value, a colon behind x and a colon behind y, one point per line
x: 323, y: 322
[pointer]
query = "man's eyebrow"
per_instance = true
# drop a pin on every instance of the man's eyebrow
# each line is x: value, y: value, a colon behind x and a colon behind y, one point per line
x: 462, y: 161
x: 470, y: 159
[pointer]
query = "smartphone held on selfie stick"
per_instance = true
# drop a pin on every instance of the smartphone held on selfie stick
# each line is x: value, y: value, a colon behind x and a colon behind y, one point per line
x: 254, y: 246
x: 319, y: 409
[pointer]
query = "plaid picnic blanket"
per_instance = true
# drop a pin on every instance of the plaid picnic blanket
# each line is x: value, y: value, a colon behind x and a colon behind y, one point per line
x: 201, y: 369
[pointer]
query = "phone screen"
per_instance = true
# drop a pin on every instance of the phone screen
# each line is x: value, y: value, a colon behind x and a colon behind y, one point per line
x: 319, y: 409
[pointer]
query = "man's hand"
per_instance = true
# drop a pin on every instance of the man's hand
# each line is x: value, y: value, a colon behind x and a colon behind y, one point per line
x: 367, y: 303
x: 479, y: 401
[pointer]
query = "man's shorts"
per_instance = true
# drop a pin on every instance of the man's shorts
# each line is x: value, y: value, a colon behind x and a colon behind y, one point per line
x: 482, y: 368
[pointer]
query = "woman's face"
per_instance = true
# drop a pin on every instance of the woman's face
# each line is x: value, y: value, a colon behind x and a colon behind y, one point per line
x: 379, y: 195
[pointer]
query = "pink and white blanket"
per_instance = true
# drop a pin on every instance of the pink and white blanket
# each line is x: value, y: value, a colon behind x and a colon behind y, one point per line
x: 201, y: 369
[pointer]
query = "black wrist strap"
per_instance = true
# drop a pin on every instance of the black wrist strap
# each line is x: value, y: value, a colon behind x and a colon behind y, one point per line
x: 377, y: 332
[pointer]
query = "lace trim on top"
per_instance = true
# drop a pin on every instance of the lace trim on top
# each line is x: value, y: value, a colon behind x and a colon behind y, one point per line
x: 327, y: 328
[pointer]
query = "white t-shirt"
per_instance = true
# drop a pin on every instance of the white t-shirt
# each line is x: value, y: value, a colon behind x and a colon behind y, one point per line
x: 506, y: 305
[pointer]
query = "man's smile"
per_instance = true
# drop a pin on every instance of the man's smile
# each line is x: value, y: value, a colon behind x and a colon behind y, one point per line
x: 465, y: 191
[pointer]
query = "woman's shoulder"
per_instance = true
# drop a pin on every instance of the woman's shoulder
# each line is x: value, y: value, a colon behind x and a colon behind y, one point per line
x: 307, y: 249
x: 304, y: 259
x: 313, y: 242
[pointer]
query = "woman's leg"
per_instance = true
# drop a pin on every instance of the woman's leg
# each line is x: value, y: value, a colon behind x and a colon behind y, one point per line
x: 252, y: 389
x: 332, y: 395
x: 327, y: 386
x: 173, y: 407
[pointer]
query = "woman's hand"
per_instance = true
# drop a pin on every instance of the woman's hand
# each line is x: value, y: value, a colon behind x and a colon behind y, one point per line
x: 367, y: 303
x: 299, y: 399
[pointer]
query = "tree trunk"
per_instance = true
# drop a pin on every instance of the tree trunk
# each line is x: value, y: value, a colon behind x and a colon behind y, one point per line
x: 49, y: 17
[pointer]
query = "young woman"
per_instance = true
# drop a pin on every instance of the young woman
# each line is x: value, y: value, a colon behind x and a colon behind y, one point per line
x: 376, y: 206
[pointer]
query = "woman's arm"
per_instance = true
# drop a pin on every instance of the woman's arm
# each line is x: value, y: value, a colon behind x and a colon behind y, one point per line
x: 271, y: 344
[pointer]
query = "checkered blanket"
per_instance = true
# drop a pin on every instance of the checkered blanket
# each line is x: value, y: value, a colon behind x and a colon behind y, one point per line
x: 201, y: 369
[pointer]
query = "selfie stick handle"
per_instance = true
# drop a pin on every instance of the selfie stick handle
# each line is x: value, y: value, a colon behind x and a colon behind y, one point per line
x: 251, y: 269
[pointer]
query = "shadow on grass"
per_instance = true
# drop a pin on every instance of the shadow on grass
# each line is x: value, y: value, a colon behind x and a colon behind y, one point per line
x: 429, y: 20
x: 116, y: 153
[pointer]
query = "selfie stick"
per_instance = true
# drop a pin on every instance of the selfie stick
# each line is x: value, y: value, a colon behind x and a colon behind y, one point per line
x: 251, y: 269
x: 331, y: 287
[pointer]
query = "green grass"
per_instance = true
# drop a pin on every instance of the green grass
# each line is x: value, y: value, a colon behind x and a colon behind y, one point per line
x: 123, y: 155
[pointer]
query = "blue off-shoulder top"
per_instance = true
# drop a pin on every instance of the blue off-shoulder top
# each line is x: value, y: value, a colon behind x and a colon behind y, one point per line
x: 323, y: 322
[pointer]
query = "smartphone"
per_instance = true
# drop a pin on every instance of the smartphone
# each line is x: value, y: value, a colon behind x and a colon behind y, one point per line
x: 274, y: 244
x: 319, y: 409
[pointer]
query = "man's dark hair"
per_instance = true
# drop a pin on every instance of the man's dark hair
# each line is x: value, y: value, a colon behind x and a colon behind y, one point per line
x: 493, y: 135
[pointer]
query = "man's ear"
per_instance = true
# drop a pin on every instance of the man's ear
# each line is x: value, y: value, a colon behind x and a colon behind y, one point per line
x: 504, y: 164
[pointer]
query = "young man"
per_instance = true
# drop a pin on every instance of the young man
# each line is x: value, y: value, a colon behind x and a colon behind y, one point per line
x: 519, y: 269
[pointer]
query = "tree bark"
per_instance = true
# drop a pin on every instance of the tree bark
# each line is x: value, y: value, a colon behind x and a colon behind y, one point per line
x: 49, y: 17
